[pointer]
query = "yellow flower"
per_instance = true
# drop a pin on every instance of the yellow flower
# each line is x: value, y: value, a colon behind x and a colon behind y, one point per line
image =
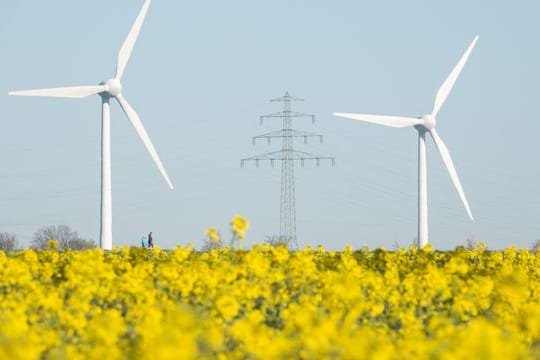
x: 239, y: 226
x: 52, y: 244
x: 269, y: 302
x: 227, y: 306
x: 212, y: 234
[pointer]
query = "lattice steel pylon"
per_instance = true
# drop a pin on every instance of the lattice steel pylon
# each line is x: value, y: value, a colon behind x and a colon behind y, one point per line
x: 287, y: 155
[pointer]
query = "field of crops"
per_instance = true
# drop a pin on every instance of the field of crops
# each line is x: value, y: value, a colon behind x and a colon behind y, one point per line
x: 269, y: 303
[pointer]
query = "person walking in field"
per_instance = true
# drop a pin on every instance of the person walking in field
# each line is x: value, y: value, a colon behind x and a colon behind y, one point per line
x: 143, y: 242
x: 150, y: 241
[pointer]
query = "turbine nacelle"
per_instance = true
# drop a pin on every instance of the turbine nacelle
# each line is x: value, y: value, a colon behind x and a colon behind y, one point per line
x: 114, y: 87
x: 429, y: 121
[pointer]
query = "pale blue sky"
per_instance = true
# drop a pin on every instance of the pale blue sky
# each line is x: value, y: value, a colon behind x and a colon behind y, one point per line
x: 202, y: 73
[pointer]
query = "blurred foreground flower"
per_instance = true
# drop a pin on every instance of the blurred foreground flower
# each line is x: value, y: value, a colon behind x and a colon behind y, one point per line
x: 239, y: 226
x: 269, y: 303
x: 213, y: 240
x: 52, y: 245
x: 212, y: 234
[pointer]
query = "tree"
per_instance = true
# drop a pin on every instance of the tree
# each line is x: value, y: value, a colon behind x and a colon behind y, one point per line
x: 535, y: 246
x: 276, y: 240
x: 472, y: 244
x: 8, y: 242
x: 211, y: 245
x: 81, y: 244
x: 66, y: 237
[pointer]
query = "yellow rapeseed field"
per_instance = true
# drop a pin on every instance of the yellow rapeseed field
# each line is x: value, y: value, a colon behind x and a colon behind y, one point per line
x: 269, y: 303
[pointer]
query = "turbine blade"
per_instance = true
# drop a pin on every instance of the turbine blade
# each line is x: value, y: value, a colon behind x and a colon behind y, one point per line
x: 443, y: 150
x: 137, y: 124
x: 129, y: 43
x: 394, y: 121
x: 63, y: 92
x: 447, y: 85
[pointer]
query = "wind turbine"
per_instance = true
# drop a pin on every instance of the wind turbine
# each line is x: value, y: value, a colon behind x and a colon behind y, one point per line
x: 426, y: 124
x: 107, y: 90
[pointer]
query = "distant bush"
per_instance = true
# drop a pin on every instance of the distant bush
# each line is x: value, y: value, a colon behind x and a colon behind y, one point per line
x: 276, y: 240
x: 535, y: 246
x: 65, y: 237
x: 8, y: 242
x: 81, y: 244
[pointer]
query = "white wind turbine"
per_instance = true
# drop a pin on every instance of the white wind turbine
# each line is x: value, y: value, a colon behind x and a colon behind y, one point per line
x: 110, y: 89
x: 425, y: 124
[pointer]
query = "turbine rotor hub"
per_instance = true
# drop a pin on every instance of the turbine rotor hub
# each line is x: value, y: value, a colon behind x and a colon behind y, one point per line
x: 114, y: 87
x: 429, y: 121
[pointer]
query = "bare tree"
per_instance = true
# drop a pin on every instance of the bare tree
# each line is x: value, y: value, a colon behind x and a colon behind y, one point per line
x: 276, y: 240
x: 211, y: 245
x: 472, y: 243
x: 66, y: 237
x: 81, y: 244
x: 535, y: 247
x: 8, y: 242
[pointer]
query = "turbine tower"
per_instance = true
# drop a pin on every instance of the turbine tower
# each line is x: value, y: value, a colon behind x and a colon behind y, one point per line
x: 107, y: 90
x: 287, y: 156
x: 426, y: 124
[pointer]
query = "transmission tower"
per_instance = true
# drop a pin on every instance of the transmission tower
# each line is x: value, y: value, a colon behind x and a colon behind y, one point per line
x: 287, y: 156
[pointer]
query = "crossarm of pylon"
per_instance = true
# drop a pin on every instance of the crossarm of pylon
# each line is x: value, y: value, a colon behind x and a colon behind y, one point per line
x: 302, y: 155
x: 278, y: 114
x: 283, y: 155
x: 287, y: 97
x: 287, y: 133
x: 289, y: 114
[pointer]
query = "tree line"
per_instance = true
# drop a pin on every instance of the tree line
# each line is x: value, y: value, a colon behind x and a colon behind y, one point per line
x: 64, y: 235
